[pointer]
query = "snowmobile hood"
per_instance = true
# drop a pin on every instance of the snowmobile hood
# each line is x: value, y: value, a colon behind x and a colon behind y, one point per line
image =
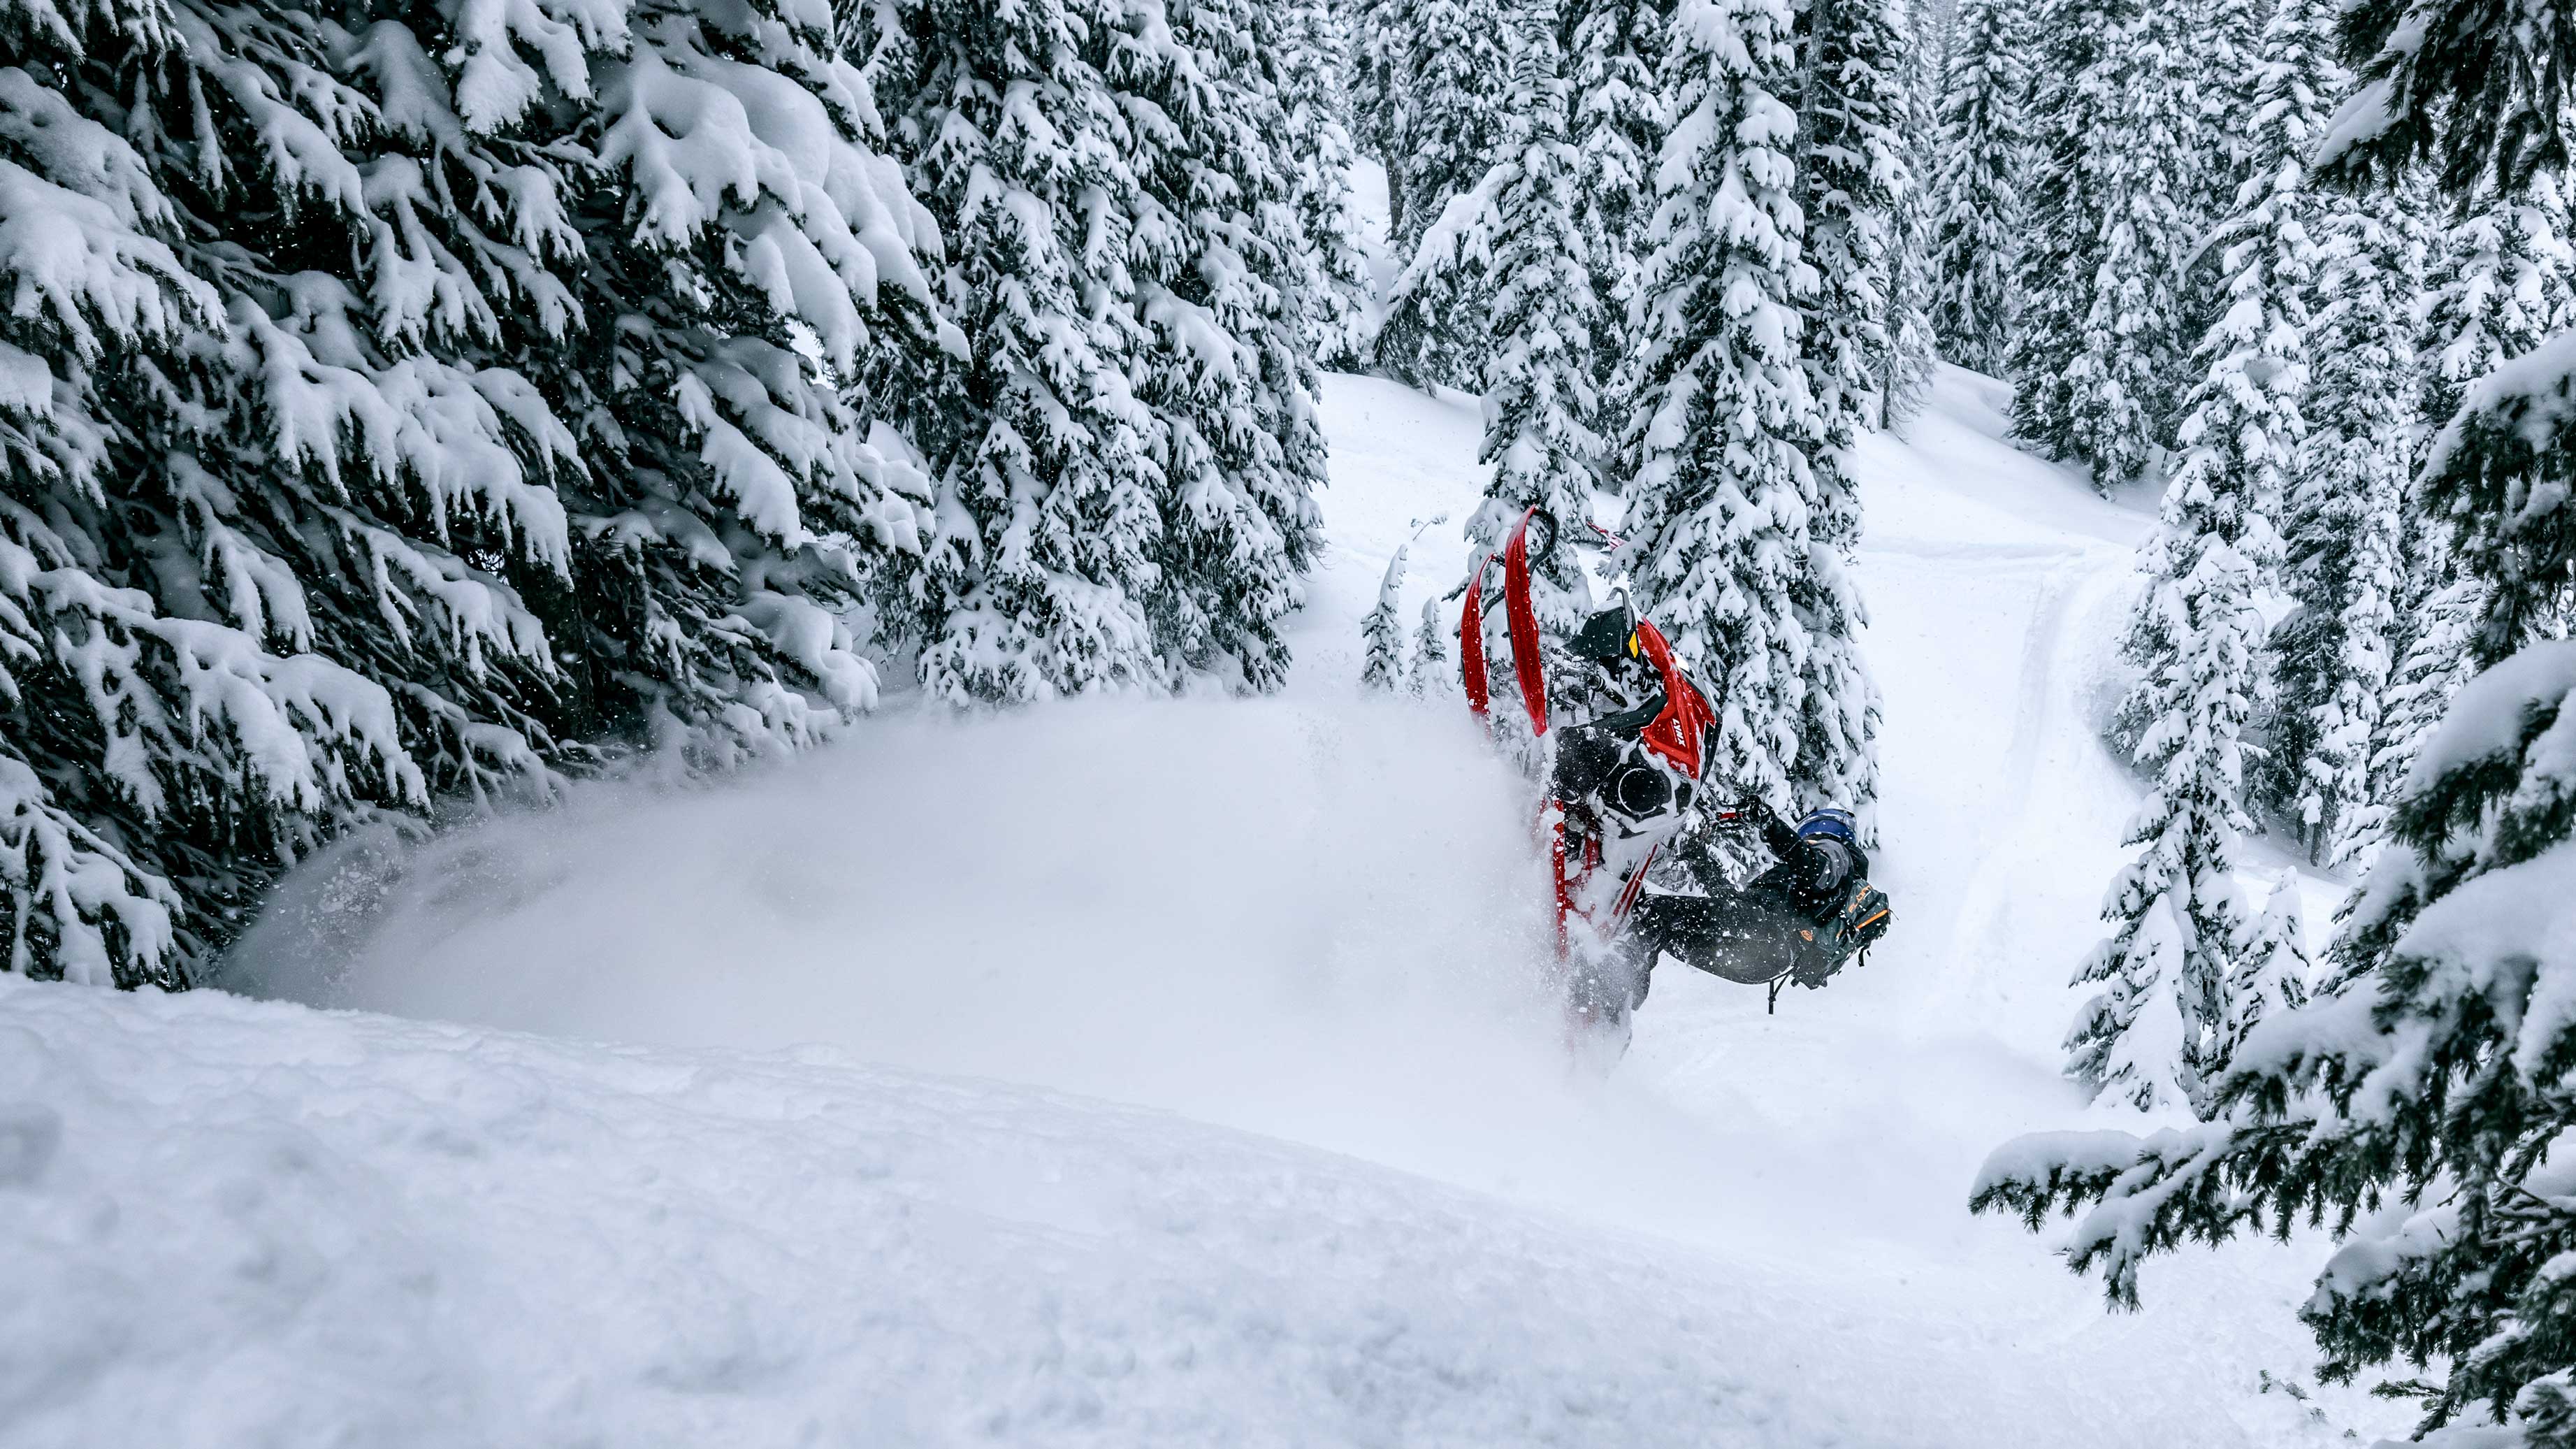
x: 1678, y: 733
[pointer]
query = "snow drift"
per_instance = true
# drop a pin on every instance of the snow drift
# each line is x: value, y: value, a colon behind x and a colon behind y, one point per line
x: 312, y: 1229
x: 1242, y: 908
x: 237, y: 1223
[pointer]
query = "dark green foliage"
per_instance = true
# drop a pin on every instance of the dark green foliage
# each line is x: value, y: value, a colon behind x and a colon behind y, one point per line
x: 2416, y: 1080
x: 1977, y: 191
x: 2510, y: 456
x: 2420, y: 1105
x: 2114, y: 194
x: 2476, y: 89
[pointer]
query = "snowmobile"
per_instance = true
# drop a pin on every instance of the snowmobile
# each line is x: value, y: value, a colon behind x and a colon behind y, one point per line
x: 1622, y: 789
x: 1599, y: 866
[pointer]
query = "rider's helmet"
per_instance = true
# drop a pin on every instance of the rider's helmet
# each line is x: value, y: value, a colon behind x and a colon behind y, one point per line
x: 1830, y: 824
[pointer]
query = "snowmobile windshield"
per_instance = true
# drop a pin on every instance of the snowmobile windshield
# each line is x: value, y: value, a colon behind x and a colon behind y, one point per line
x: 1608, y: 637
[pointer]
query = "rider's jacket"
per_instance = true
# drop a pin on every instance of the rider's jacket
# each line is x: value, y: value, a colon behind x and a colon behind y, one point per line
x: 1813, y: 874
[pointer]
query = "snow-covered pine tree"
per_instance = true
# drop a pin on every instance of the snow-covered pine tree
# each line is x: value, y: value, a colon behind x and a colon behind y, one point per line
x: 1382, y: 632
x: 1440, y: 306
x: 2418, y: 1105
x: 1454, y: 72
x: 2554, y: 193
x: 2477, y: 93
x: 2174, y: 910
x: 1540, y: 389
x: 2249, y: 414
x: 2341, y: 785
x: 1618, y: 127
x: 1127, y: 445
x: 1049, y: 466
x: 2065, y: 205
x: 2147, y: 1036
x: 1851, y: 178
x: 430, y: 300
x: 2112, y: 220
x: 2346, y: 534
x: 745, y: 514
x: 2141, y: 1037
x: 1431, y: 672
x: 1213, y: 266
x: 1976, y: 195
x: 83, y: 895
x: 316, y: 501
x: 2272, y: 969
x: 1913, y: 352
x: 2430, y: 638
x: 2419, y: 1079
x: 2222, y: 47
x: 1333, y: 271
x: 2228, y: 42
x: 1455, y: 77
x: 2432, y: 612
x: 735, y: 510
x: 1724, y: 430
x: 1377, y: 36
x: 2495, y: 283
x: 2247, y: 427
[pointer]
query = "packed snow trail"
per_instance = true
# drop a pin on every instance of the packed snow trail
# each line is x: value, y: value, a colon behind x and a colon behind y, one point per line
x: 831, y: 1193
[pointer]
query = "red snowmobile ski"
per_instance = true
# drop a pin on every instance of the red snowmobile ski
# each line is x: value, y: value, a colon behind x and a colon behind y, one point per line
x: 1521, y: 620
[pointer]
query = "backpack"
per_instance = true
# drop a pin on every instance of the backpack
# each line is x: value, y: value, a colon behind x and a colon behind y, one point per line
x: 1847, y: 928
x: 1850, y: 927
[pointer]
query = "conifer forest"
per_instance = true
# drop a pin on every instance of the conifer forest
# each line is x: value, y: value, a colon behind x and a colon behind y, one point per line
x: 697, y: 566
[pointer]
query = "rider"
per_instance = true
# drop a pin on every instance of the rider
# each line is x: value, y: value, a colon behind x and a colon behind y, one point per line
x: 1620, y: 774
x: 1768, y: 929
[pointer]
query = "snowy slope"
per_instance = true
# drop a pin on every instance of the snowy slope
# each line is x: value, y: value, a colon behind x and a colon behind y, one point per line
x: 316, y: 1229
x: 833, y: 1191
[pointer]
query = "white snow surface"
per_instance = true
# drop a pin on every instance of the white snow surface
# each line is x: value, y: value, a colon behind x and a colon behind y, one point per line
x: 1138, y: 1073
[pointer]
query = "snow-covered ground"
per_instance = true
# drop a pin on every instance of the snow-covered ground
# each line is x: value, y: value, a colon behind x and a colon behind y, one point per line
x: 1146, y: 1073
